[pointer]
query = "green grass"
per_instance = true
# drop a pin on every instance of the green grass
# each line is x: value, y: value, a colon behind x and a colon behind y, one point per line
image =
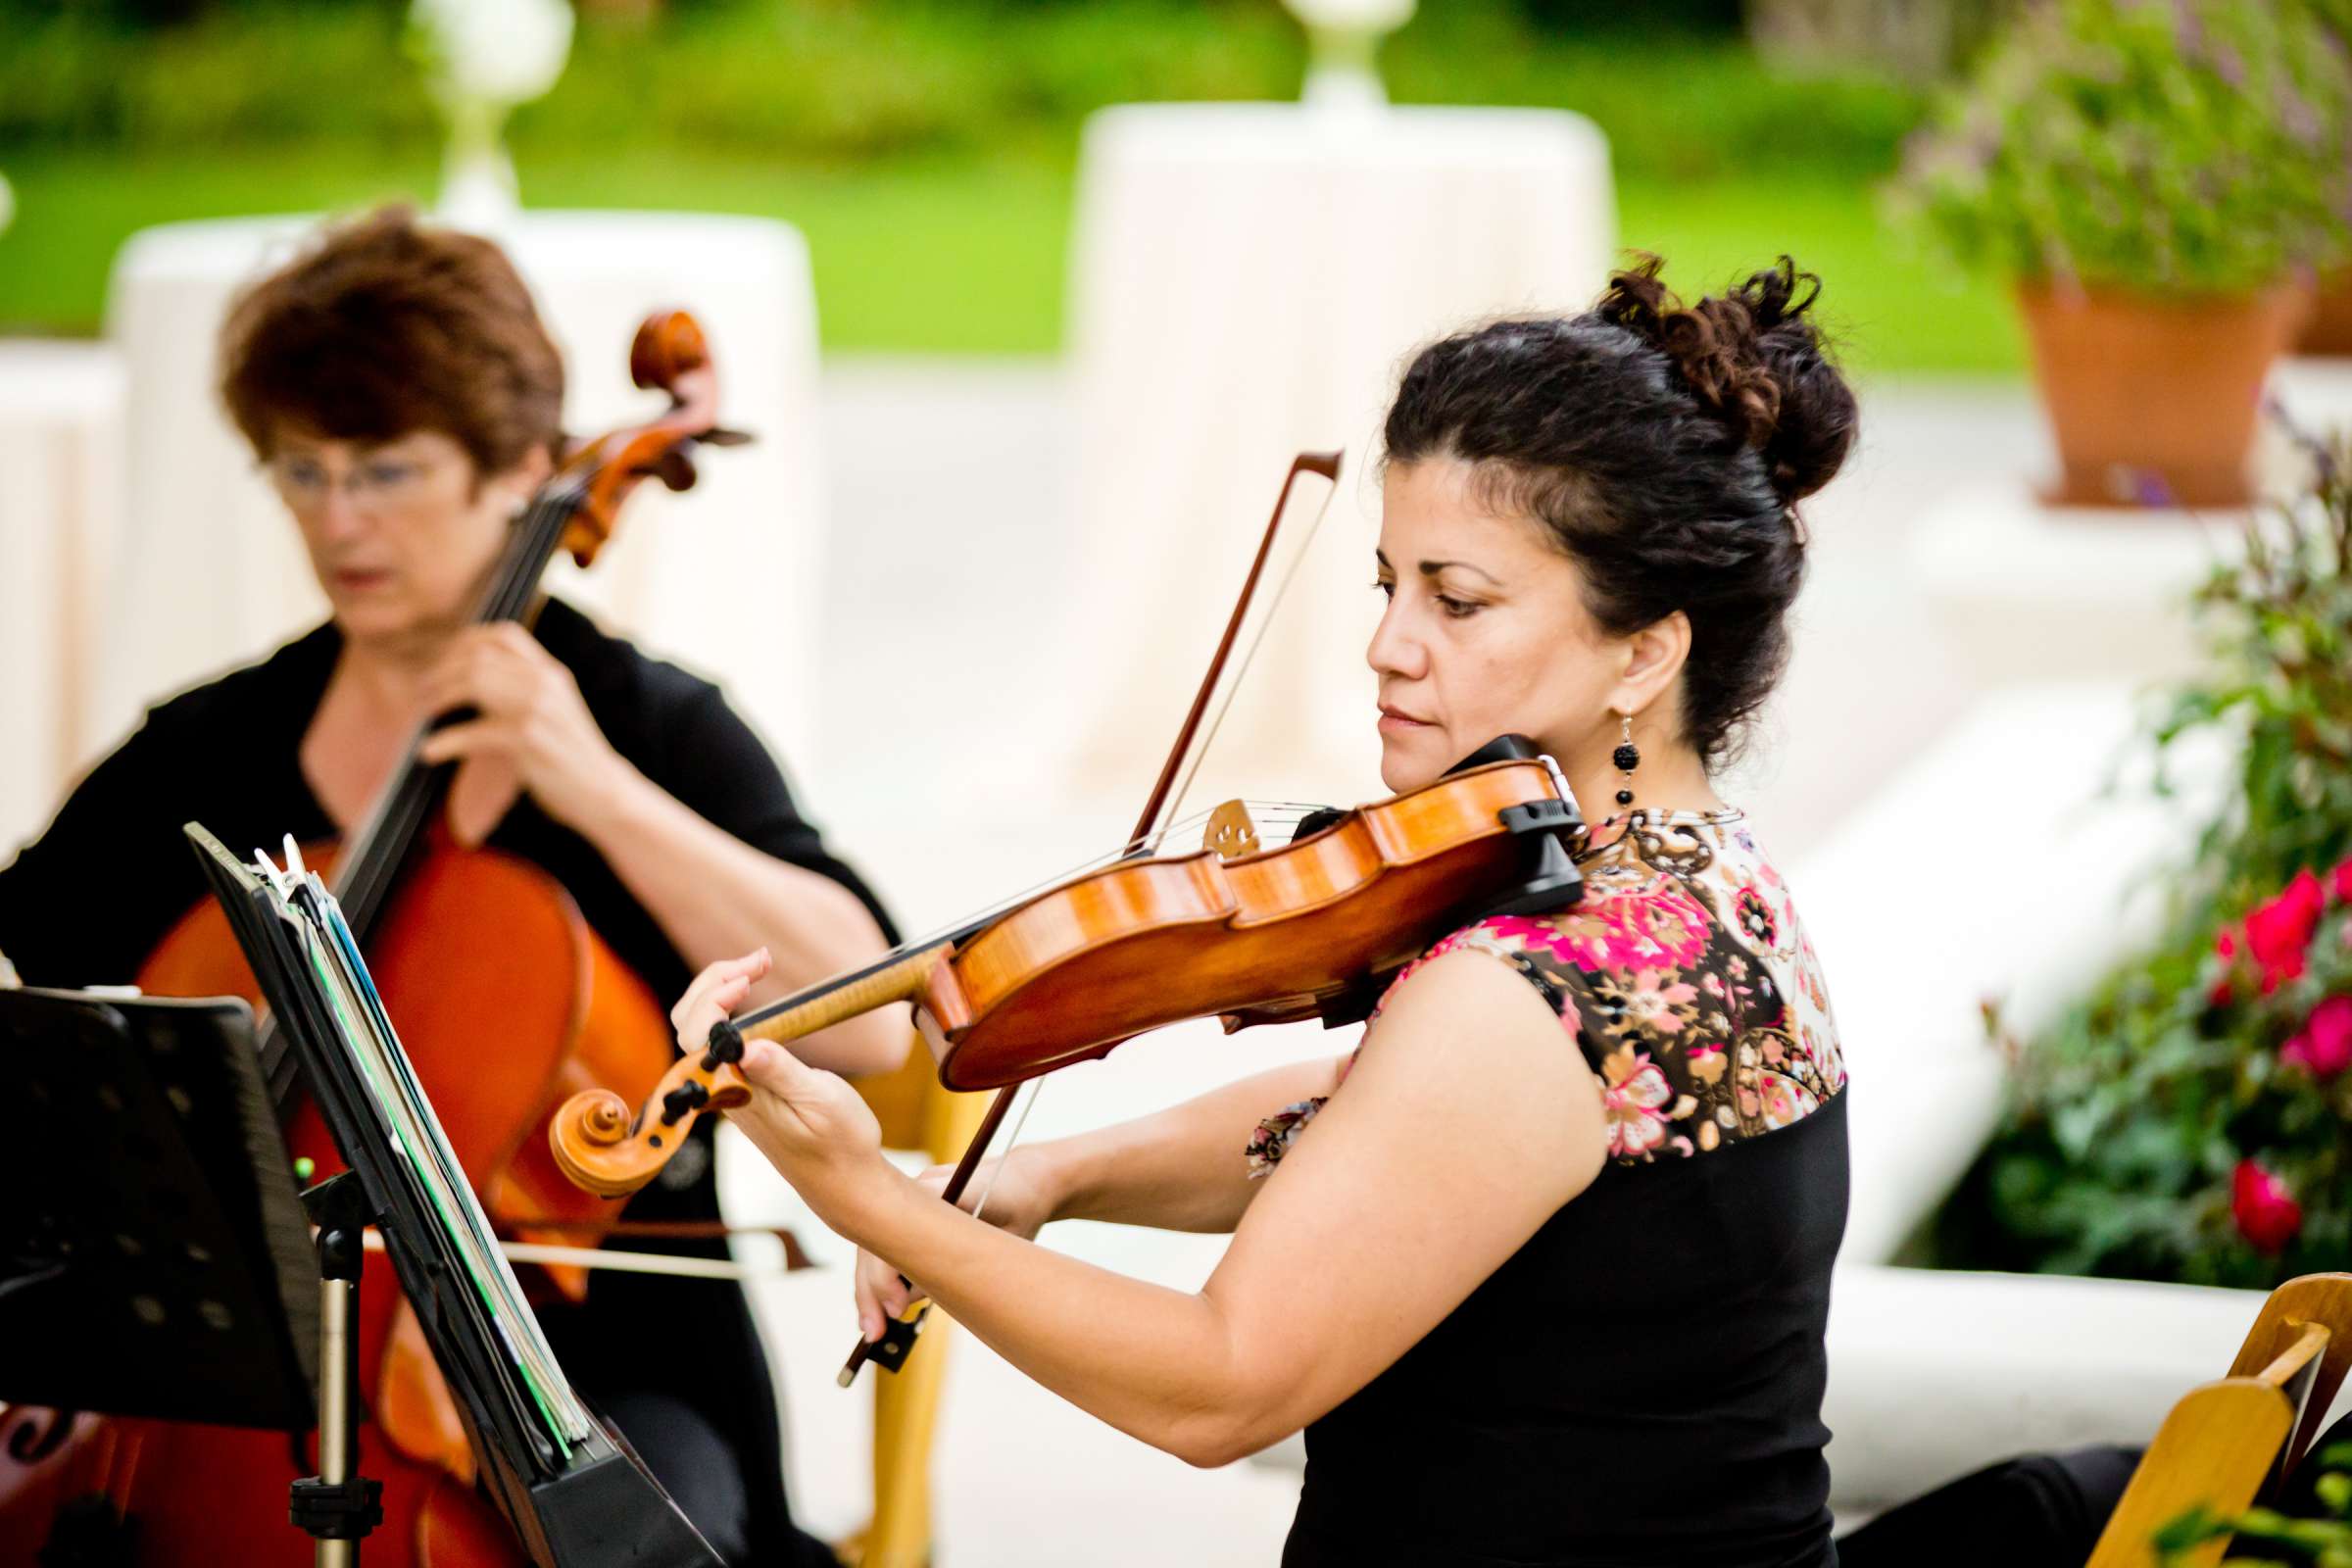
x: 961, y: 259
x: 1890, y: 308
x: 968, y: 257
x: 915, y: 258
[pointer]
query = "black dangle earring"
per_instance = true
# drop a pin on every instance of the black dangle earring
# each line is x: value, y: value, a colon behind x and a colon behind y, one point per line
x: 1627, y: 757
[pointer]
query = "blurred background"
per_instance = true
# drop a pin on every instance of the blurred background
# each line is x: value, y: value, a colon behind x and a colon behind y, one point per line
x: 1030, y: 301
x: 929, y: 151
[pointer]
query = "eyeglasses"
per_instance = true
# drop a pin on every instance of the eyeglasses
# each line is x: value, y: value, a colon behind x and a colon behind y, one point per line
x: 375, y: 485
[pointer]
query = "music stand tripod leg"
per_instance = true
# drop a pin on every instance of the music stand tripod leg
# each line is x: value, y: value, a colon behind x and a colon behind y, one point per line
x: 337, y: 1507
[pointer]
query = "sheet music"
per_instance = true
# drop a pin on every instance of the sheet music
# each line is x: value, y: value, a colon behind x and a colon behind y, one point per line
x: 438, y: 1173
x: 535, y: 1385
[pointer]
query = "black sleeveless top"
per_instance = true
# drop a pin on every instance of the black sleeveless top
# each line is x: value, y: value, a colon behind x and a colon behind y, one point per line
x: 1641, y: 1382
x: 86, y: 901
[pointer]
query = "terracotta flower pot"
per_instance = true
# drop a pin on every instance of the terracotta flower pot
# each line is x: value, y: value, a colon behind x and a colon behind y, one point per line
x: 2154, y: 400
x: 2329, y: 329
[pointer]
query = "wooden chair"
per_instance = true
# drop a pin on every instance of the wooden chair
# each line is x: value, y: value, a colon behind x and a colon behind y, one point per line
x: 915, y: 1112
x: 2223, y: 1439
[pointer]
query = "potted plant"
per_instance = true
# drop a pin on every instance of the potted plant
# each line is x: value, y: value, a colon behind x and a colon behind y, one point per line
x: 2328, y: 330
x: 2161, y: 177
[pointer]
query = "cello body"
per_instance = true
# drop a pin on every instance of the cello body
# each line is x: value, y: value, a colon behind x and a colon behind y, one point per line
x: 507, y: 1004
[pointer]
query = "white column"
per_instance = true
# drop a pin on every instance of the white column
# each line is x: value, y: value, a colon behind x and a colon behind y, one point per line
x: 1247, y: 281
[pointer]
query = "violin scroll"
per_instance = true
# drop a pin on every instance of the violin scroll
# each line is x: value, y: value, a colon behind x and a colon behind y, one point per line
x: 607, y: 1147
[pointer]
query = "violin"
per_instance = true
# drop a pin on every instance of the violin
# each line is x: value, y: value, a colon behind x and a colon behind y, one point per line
x: 1312, y: 929
x: 1308, y: 930
x: 569, y: 1014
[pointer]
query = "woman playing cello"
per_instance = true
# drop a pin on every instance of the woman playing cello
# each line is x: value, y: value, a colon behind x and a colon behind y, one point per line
x: 1543, y: 1268
x: 399, y: 390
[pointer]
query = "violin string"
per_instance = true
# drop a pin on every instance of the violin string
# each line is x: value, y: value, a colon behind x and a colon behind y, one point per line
x: 1290, y: 573
x: 934, y: 937
x: 819, y: 990
x: 1157, y: 836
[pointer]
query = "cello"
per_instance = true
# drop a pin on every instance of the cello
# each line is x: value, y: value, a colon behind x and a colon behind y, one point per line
x: 571, y: 1014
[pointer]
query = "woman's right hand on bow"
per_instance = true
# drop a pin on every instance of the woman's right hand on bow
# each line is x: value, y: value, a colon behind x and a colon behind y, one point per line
x: 1018, y: 1201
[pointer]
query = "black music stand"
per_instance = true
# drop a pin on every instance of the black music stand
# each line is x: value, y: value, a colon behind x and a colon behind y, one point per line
x: 593, y: 1506
x: 154, y: 1259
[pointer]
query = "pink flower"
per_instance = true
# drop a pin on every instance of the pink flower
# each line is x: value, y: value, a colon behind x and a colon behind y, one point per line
x: 2324, y: 1047
x: 1632, y: 1099
x: 1659, y: 925
x: 2226, y: 947
x: 2266, y: 1212
x: 1653, y: 997
x: 2340, y: 880
x: 1779, y: 1101
x: 2278, y: 932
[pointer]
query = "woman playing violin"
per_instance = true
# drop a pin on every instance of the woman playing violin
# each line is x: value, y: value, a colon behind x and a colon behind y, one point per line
x: 1543, y: 1268
x: 399, y: 390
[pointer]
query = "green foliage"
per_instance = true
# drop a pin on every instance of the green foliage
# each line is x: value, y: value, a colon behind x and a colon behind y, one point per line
x: 2171, y: 146
x: 2192, y: 1119
x: 2323, y: 1543
x: 820, y: 81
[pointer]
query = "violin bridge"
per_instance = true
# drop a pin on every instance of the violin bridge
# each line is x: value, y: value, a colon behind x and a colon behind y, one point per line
x: 1231, y: 832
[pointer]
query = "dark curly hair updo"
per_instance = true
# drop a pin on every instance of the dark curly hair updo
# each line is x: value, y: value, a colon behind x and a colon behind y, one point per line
x: 1663, y: 447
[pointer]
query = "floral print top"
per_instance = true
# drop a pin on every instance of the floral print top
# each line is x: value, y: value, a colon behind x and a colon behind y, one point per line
x: 1687, y: 981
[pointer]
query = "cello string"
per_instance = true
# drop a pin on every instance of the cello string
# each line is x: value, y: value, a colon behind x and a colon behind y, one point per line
x: 364, y: 879
x: 364, y: 875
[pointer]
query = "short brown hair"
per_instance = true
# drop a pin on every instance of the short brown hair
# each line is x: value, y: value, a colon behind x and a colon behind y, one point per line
x: 384, y: 327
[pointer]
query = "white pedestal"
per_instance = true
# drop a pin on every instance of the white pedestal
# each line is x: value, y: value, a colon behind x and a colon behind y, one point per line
x: 2034, y: 593
x: 1249, y: 281
x: 723, y: 578
x: 61, y: 468
x: 1936, y: 1374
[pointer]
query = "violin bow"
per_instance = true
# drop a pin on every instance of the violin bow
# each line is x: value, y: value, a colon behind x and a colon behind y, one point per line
x: 899, y: 1334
